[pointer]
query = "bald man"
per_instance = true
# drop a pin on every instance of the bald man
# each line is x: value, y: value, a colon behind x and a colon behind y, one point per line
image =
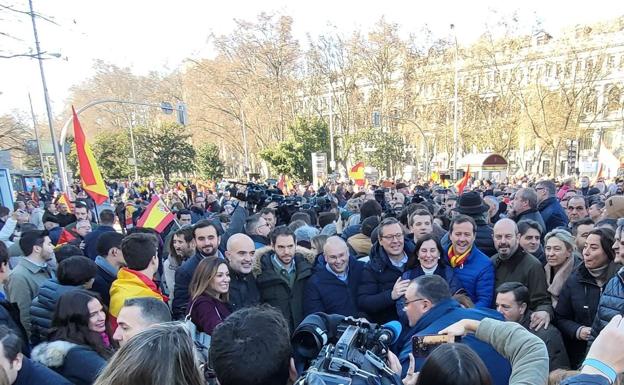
x: 332, y: 289
x: 240, y: 254
x: 513, y: 264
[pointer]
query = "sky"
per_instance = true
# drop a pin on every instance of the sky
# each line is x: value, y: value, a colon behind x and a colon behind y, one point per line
x: 158, y: 35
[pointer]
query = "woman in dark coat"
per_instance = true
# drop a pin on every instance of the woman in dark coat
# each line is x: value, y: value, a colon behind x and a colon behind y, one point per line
x: 79, y: 342
x: 580, y: 295
x: 426, y: 261
x: 209, y: 294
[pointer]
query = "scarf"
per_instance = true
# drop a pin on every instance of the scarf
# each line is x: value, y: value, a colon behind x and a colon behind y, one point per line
x: 559, y: 278
x: 599, y: 274
x: 458, y: 260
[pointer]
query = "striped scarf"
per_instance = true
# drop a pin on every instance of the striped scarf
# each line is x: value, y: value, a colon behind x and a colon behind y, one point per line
x: 458, y: 260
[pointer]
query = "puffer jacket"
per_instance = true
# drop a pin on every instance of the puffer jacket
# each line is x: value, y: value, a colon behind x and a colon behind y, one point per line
x: 477, y: 277
x: 78, y: 363
x: 483, y: 238
x: 42, y: 309
x: 378, y: 279
x: 274, y: 289
x: 553, y: 214
x: 611, y: 302
x: 577, y: 306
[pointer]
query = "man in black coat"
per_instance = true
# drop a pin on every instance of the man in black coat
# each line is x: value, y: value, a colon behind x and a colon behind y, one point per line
x: 524, y: 206
x: 549, y: 207
x: 332, y: 289
x: 381, y: 284
x: 109, y: 260
x: 240, y: 255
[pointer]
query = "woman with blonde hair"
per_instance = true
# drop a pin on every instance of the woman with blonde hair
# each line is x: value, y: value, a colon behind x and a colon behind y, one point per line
x: 559, y: 251
x: 209, y: 294
x: 135, y: 362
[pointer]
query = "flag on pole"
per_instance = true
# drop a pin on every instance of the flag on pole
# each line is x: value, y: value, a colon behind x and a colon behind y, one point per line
x: 64, y: 199
x: 357, y: 173
x: 90, y: 175
x: 463, y: 182
x: 156, y: 216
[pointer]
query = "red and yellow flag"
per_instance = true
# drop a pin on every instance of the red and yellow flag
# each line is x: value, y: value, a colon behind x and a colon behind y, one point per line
x: 64, y: 199
x: 156, y: 216
x: 90, y: 175
x: 357, y: 173
x: 66, y: 236
x: 463, y: 182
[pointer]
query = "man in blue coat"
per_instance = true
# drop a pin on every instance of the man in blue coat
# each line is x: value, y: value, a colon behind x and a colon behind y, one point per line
x: 549, y: 207
x: 473, y: 268
x: 430, y: 309
x: 332, y: 289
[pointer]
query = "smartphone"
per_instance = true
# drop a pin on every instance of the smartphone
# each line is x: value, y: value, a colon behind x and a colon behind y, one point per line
x: 423, y: 345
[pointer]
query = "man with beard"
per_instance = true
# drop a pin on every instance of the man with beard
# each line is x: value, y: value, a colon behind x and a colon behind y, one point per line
x: 207, y: 240
x: 240, y: 255
x: 513, y: 264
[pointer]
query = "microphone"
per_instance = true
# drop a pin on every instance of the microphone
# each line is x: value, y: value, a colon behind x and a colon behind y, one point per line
x: 390, y: 332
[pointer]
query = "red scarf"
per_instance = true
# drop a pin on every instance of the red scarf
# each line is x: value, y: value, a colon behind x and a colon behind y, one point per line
x: 458, y: 260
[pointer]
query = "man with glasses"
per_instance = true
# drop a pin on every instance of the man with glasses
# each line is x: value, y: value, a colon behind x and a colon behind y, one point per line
x: 381, y: 282
x: 552, y: 212
x: 258, y: 229
x: 430, y: 309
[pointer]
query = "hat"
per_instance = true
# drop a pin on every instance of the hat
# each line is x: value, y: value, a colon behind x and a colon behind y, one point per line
x: 614, y: 207
x: 470, y: 203
x: 401, y: 185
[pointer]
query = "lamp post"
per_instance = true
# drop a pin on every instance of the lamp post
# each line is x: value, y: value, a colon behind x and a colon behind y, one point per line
x: 455, y: 108
x: 47, y: 100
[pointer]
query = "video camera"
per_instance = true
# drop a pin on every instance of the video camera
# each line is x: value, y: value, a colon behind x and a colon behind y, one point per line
x: 344, y: 350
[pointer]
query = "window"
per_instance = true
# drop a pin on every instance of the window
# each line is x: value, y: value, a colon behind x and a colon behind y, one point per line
x: 586, y: 142
x: 610, y: 62
x: 591, y: 103
x: 614, y: 95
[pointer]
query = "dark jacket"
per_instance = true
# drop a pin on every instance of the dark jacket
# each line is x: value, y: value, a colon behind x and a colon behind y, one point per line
x: 65, y: 219
x: 557, y: 354
x: 33, y: 373
x: 524, y: 268
x: 9, y: 317
x: 244, y: 290
x: 378, y: 279
x: 611, y: 302
x: 483, y: 238
x: 328, y: 294
x: 553, y: 214
x: 578, y: 302
x: 183, y: 276
x: 443, y: 270
x: 91, y: 240
x: 104, y: 278
x: 78, y: 363
x: 260, y: 241
x: 42, y: 309
x: 207, y: 312
x: 586, y: 379
x: 477, y: 277
x: 533, y: 215
x: 444, y: 314
x: 275, y: 291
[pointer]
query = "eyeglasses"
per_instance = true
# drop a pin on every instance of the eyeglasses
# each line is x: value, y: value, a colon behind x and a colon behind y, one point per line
x: 391, y: 237
x: 408, y: 302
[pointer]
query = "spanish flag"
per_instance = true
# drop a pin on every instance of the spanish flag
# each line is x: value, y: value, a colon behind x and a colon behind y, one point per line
x: 357, y: 173
x: 66, y: 237
x: 285, y: 185
x: 64, y: 199
x: 156, y: 216
x: 463, y: 182
x: 90, y: 175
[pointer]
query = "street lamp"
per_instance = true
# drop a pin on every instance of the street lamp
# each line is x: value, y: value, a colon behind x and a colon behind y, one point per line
x: 455, y: 114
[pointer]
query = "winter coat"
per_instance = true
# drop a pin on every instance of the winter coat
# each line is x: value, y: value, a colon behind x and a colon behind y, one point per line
x: 244, y: 290
x: 378, y: 279
x: 91, y: 240
x: 533, y: 215
x: 442, y: 315
x: 9, y: 317
x: 483, y: 238
x: 33, y: 373
x: 577, y: 306
x: 326, y: 293
x: 553, y: 214
x: 274, y: 288
x: 524, y: 268
x: 557, y: 354
x: 104, y: 278
x: 611, y: 302
x: 42, y: 309
x: 207, y: 312
x: 260, y: 241
x: 586, y: 379
x: 443, y: 270
x: 477, y: 277
x: 183, y: 277
x: 361, y: 244
x: 78, y: 363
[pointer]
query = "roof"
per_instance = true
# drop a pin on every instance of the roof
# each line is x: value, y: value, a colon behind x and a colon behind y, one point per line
x: 481, y: 160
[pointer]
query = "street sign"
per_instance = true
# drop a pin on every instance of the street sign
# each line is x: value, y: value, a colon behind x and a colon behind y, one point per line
x: 166, y: 108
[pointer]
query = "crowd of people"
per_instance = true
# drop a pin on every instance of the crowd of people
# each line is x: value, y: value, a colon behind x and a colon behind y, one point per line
x: 528, y: 272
